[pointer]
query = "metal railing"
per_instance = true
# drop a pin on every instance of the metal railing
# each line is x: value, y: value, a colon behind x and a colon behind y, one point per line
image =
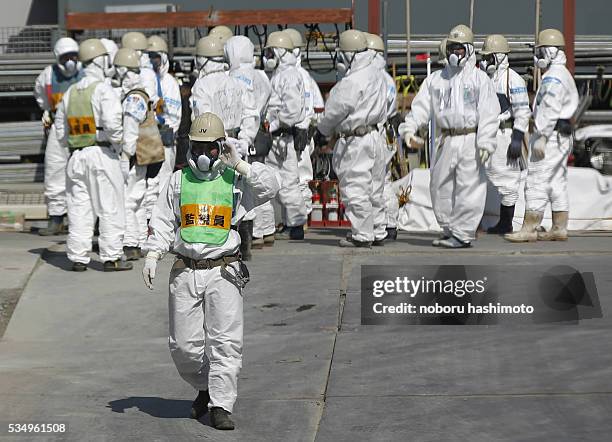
x: 27, y: 39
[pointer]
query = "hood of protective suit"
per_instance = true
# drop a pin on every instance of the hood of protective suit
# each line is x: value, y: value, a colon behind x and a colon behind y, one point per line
x: 94, y: 71
x: 130, y: 81
x: 502, y: 67
x: 239, y: 51
x: 287, y: 60
x: 145, y: 61
x: 360, y: 61
x: 560, y: 58
x: 213, y: 66
x: 378, y: 59
x: 165, y: 64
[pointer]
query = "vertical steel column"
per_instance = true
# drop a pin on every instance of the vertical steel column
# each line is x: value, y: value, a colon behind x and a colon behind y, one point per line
x: 374, y: 17
x: 569, y: 31
x: 408, y: 34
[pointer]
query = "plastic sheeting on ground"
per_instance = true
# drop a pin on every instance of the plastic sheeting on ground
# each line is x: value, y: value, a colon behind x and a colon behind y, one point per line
x: 590, y: 195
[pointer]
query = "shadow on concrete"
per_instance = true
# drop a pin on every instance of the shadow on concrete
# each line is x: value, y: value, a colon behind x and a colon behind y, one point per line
x: 153, y: 406
x: 60, y: 260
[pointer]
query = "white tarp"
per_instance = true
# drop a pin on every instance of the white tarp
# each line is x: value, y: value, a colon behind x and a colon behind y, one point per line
x: 590, y: 195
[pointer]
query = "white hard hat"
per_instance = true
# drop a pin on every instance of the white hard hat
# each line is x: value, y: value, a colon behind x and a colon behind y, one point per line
x: 222, y: 32
x: 134, y: 40
x: 352, y: 40
x: 495, y: 44
x: 206, y: 127
x: 374, y: 42
x: 128, y: 58
x: 550, y: 37
x: 296, y: 37
x: 90, y: 49
x: 461, y: 34
x: 280, y: 39
x: 157, y: 44
x: 65, y: 45
x: 209, y: 46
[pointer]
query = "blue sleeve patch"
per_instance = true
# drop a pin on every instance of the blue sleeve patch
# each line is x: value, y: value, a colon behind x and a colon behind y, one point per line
x: 547, y: 80
x: 518, y: 90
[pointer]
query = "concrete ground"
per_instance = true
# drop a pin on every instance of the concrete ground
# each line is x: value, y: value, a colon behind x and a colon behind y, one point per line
x: 90, y: 350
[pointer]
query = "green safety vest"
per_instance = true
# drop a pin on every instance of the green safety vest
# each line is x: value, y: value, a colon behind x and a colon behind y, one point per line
x: 80, y: 116
x: 206, y: 207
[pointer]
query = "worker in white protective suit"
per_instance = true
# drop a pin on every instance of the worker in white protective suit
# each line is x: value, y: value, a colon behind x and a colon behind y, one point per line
x: 461, y: 98
x: 138, y: 42
x: 195, y: 217
x: 286, y: 110
x: 388, y: 132
x: 506, y: 163
x: 139, y: 129
x: 49, y: 88
x: 168, y: 109
x: 551, y: 143
x: 315, y: 105
x: 88, y: 119
x: 356, y: 106
x: 239, y: 52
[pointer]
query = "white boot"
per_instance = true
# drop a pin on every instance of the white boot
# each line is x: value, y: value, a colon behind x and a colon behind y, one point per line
x: 559, y: 228
x: 528, y: 232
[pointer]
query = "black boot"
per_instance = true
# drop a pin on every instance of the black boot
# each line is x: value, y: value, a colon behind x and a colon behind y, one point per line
x: 504, y: 225
x: 131, y: 253
x: 117, y: 266
x: 219, y: 419
x: 200, y: 406
x: 54, y: 227
x: 296, y: 233
x: 79, y: 267
x: 245, y: 229
x: 391, y: 233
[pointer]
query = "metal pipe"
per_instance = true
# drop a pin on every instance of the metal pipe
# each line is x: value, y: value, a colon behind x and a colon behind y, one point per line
x: 385, y: 26
x: 408, y: 54
x: 472, y: 15
x: 569, y: 29
x: 538, y: 16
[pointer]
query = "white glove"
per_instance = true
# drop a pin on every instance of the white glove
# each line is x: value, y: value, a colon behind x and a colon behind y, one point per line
x: 409, y: 136
x: 231, y: 158
x: 242, y: 146
x: 484, y: 156
x: 125, y: 167
x: 538, y: 148
x: 46, y: 119
x: 148, y: 271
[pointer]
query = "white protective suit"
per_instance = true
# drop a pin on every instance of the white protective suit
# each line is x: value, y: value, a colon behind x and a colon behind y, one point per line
x: 506, y: 178
x: 56, y: 155
x: 458, y: 98
x: 134, y: 114
x: 359, y: 100
x: 285, y: 110
x: 314, y: 103
x: 167, y: 89
x: 94, y: 184
x: 391, y: 201
x: 557, y: 98
x: 239, y: 51
x: 206, y: 319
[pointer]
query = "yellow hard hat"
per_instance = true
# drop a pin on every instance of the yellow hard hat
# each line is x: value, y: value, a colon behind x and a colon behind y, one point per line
x: 296, y: 37
x: 222, y: 32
